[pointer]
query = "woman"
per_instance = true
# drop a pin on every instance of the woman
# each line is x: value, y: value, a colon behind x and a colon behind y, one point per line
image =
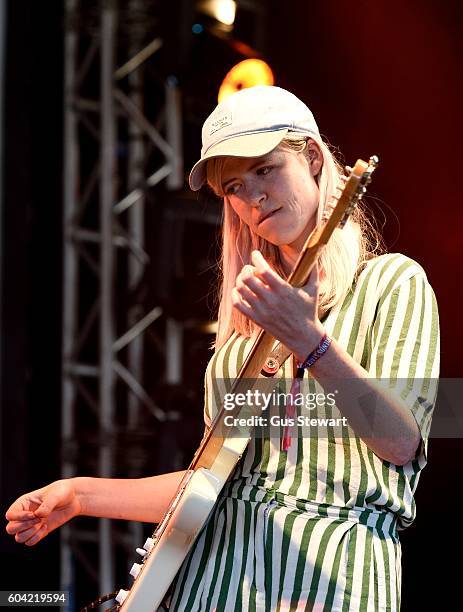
x: 310, y: 522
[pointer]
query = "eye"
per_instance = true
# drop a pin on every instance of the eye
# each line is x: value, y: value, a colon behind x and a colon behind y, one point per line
x: 232, y: 189
x: 264, y: 170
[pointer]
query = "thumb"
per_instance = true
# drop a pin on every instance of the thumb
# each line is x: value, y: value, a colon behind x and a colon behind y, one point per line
x: 47, y: 506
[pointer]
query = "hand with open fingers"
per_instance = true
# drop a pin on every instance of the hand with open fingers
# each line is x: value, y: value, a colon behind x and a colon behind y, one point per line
x: 287, y: 313
x: 33, y: 515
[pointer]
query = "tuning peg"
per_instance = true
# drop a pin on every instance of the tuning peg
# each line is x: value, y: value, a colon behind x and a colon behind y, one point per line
x: 348, y: 169
x: 374, y: 161
x: 121, y: 596
x: 149, y: 544
x: 135, y: 570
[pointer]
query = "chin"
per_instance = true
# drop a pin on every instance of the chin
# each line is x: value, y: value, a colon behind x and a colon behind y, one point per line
x: 273, y: 239
x: 280, y: 238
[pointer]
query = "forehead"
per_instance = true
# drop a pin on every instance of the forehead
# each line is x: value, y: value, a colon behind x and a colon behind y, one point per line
x: 238, y: 165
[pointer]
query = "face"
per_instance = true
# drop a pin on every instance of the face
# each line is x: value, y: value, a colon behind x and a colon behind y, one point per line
x: 276, y: 195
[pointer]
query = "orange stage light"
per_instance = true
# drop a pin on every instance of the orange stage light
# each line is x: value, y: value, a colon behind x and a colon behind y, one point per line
x: 248, y: 73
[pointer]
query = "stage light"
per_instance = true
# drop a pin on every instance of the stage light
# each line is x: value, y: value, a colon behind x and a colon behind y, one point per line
x: 248, y: 73
x: 225, y: 11
x: 222, y: 10
x: 197, y: 28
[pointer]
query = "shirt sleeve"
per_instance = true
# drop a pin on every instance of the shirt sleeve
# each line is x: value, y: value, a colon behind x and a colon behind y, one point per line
x: 405, y: 348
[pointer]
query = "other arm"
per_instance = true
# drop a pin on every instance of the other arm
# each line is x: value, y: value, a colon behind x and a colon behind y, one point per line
x: 33, y: 515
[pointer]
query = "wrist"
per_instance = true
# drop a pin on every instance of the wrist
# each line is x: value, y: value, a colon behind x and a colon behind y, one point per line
x: 82, y: 487
x: 314, y: 355
x: 308, y: 342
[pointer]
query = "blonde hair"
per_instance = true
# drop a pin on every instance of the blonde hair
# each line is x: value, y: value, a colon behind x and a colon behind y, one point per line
x: 342, y: 259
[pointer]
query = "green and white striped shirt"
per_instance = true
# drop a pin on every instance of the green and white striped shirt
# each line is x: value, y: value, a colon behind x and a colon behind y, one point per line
x: 315, y: 528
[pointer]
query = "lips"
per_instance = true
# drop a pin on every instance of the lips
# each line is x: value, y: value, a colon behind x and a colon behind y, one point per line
x: 265, y: 215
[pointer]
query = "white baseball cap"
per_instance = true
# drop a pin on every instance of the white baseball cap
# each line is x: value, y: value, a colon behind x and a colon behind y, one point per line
x: 251, y: 123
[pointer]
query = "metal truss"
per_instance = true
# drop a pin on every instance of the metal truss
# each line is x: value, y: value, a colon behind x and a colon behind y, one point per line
x: 108, y: 139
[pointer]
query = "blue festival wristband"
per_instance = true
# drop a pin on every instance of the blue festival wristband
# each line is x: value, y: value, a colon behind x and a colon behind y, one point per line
x: 316, y: 354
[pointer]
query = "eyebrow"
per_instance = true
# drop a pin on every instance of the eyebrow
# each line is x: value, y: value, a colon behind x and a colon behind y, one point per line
x: 260, y: 161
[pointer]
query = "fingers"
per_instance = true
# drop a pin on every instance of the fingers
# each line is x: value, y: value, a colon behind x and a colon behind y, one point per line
x: 14, y: 514
x: 248, y: 284
x: 27, y: 532
x: 23, y: 508
x: 27, y: 512
x: 33, y: 515
x: 39, y: 535
x: 257, y: 279
x: 17, y: 526
x: 240, y: 303
x: 31, y: 536
x: 265, y: 272
x: 267, y: 299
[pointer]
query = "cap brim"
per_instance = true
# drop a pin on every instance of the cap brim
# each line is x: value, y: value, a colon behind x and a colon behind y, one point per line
x: 247, y: 145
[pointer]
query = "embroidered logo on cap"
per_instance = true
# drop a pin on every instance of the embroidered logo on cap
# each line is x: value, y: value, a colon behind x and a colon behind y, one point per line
x: 221, y: 122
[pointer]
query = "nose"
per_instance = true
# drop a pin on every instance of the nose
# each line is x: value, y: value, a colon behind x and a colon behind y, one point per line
x: 255, y: 195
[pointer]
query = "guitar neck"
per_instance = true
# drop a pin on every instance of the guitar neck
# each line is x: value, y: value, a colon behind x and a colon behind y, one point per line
x: 251, y: 368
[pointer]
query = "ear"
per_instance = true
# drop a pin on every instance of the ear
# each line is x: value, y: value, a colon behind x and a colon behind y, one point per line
x: 315, y: 157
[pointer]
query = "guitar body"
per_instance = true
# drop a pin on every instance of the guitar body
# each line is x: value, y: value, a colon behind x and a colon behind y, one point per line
x: 180, y: 528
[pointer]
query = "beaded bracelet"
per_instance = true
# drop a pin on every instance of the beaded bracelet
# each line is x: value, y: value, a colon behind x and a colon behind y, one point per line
x: 316, y: 354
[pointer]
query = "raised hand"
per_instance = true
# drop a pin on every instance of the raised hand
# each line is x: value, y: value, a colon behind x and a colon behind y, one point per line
x: 286, y: 312
x: 34, y: 515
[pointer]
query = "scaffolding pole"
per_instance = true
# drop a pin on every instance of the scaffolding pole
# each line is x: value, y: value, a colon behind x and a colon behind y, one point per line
x: 70, y: 282
x: 136, y: 220
x: 107, y: 336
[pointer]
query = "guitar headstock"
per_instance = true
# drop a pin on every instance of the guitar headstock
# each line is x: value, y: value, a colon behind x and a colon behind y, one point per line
x: 355, y: 183
x: 354, y: 187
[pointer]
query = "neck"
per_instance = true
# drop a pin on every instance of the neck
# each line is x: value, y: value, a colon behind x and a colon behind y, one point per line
x: 289, y: 257
x: 290, y: 252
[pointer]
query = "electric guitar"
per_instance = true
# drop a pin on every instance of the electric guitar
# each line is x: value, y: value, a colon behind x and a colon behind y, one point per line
x: 223, y: 445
